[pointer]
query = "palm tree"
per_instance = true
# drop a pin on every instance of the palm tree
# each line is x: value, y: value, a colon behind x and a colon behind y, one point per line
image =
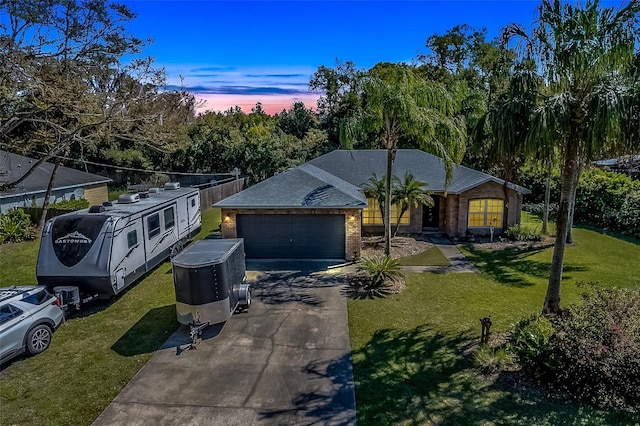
x: 376, y: 188
x: 508, y: 120
x: 409, y: 192
x: 589, y: 105
x: 404, y: 105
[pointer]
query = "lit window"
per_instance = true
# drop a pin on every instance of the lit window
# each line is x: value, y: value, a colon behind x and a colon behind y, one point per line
x: 372, y: 215
x: 485, y: 213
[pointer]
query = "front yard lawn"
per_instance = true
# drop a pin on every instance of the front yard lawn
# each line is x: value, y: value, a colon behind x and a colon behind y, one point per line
x: 407, y: 349
x: 430, y: 257
x: 93, y: 356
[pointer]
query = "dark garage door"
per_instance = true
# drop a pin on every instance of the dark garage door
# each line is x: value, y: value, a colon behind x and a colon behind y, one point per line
x: 276, y: 236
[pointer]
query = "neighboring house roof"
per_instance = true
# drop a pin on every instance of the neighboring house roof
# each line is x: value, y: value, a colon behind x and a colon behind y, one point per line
x: 357, y: 166
x: 627, y: 160
x: 13, y: 166
x: 305, y: 186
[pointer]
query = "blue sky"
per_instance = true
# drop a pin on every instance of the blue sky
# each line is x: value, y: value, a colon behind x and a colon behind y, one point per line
x: 241, y: 52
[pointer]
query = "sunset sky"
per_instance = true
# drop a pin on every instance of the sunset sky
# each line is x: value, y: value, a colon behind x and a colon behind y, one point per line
x: 242, y: 52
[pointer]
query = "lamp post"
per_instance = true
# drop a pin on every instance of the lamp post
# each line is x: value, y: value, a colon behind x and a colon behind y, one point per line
x: 493, y: 222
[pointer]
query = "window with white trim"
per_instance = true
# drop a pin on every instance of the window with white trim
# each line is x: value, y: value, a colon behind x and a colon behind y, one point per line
x: 372, y: 215
x: 485, y: 213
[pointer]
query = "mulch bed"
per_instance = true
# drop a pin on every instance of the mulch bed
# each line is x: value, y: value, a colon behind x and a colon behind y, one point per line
x: 400, y: 246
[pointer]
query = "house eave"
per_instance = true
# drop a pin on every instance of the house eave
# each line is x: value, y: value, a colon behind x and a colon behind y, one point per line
x: 500, y: 182
x: 281, y: 207
x: 60, y: 188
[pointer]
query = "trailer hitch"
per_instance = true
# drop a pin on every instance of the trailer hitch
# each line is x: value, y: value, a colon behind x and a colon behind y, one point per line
x: 195, y: 331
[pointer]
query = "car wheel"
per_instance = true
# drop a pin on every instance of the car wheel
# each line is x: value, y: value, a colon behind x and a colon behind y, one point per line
x: 38, y: 339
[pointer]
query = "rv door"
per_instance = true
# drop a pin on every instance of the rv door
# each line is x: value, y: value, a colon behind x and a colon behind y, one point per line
x: 119, y: 279
x: 193, y: 209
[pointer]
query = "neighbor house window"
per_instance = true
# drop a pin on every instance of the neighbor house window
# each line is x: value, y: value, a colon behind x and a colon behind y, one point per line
x: 169, y: 219
x: 485, y: 212
x: 372, y: 215
x: 153, y: 223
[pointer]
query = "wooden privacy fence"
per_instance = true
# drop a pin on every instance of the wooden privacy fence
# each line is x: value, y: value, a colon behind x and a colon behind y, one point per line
x: 36, y: 213
x: 213, y: 194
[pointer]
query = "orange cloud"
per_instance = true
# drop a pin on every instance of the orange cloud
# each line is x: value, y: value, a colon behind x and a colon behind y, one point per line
x: 272, y: 104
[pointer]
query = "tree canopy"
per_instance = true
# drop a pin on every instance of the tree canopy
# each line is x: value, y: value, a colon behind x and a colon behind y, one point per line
x: 588, y: 106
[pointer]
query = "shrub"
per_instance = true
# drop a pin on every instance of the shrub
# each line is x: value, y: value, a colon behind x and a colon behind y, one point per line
x: 78, y: 204
x: 15, y: 226
x: 598, y: 346
x: 531, y: 342
x: 629, y: 215
x: 380, y: 270
x: 538, y: 209
x: 522, y: 233
x: 608, y: 200
x: 491, y: 360
x: 592, y: 351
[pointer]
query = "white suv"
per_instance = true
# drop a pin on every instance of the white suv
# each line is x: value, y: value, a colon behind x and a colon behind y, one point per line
x: 28, y: 317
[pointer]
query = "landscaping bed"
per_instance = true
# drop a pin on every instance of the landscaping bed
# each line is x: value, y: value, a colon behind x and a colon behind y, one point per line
x: 400, y: 246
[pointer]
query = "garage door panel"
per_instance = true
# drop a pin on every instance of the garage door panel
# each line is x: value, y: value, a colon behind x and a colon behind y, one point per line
x: 292, y: 236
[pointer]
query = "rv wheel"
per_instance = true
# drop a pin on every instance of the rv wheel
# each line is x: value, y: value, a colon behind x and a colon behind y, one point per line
x: 176, y: 249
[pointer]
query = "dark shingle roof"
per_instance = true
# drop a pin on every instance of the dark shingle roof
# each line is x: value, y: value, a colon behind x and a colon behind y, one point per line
x: 305, y: 186
x: 357, y: 166
x: 13, y: 166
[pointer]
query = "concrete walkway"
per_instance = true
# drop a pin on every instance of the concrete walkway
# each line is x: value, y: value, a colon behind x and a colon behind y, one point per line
x: 458, y: 263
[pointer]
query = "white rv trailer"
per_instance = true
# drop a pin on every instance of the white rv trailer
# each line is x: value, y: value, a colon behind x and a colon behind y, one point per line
x: 103, y: 249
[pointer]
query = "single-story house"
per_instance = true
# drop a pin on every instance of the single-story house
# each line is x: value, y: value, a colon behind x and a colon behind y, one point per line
x: 69, y: 184
x: 319, y: 210
x: 626, y: 164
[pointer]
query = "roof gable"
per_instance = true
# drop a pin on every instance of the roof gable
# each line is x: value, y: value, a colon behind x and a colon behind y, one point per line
x: 14, y: 166
x: 305, y: 186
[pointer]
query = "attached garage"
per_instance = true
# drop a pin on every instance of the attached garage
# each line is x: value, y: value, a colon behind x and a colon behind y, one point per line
x: 270, y: 236
x: 303, y: 213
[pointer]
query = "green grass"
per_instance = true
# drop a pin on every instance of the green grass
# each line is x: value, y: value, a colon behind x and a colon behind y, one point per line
x: 92, y: 357
x: 406, y: 348
x: 430, y: 257
x: 114, y: 193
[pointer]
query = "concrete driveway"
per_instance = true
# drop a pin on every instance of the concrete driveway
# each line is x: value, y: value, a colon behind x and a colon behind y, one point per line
x: 287, y: 361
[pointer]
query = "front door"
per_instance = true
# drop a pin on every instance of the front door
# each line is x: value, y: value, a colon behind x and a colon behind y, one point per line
x: 431, y: 215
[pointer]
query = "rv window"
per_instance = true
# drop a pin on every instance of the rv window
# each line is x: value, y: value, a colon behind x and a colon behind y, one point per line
x: 168, y: 218
x: 132, y: 238
x: 153, y: 223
